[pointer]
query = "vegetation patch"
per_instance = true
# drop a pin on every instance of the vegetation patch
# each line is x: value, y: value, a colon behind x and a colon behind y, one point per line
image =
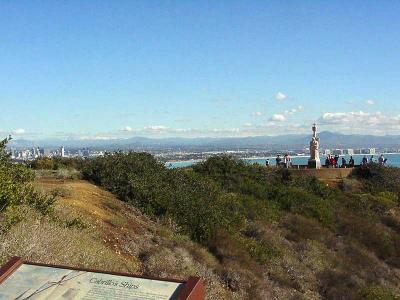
x: 251, y: 232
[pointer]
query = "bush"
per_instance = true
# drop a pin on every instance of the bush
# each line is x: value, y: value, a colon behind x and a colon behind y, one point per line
x: 16, y: 187
x: 193, y: 202
x: 377, y: 292
x: 259, y: 249
x: 56, y: 163
x: 43, y: 163
x: 377, y: 178
x: 75, y: 223
x: 338, y: 284
x: 61, y: 192
x: 373, y: 235
x: 234, y: 209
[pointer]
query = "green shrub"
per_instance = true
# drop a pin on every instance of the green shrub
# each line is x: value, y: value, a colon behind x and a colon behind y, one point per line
x: 195, y: 203
x: 16, y: 187
x: 302, y: 228
x: 56, y: 163
x: 75, y: 223
x: 372, y: 235
x: 369, y: 205
x: 259, y: 249
x: 61, y: 192
x: 215, y: 201
x: 377, y: 292
x: 377, y: 178
x: 43, y: 163
x: 338, y: 284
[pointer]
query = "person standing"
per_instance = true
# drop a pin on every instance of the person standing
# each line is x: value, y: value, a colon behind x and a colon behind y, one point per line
x: 288, y: 161
x: 327, y: 162
x: 381, y: 160
x: 278, y: 160
x: 267, y: 162
x: 351, y: 162
x: 336, y: 161
x: 344, y: 163
x: 364, y: 160
x: 332, y: 161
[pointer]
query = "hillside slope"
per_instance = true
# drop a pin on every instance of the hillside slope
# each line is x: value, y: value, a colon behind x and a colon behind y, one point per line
x: 93, y: 229
x: 291, y: 236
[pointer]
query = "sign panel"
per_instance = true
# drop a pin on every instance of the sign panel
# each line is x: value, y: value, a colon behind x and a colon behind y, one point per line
x: 42, y: 282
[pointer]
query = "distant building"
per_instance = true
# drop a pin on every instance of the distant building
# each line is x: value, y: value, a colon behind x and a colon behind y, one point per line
x: 368, y: 151
x: 13, y: 153
x: 47, y: 152
x: 357, y: 151
x: 348, y: 151
x: 86, y: 153
x: 62, y: 151
x: 41, y: 152
x: 337, y: 152
x: 327, y: 152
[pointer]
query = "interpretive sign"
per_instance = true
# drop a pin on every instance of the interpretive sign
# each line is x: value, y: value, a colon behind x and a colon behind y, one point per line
x: 26, y: 280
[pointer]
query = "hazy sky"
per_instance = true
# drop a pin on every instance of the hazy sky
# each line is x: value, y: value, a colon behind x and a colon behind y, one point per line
x: 104, y: 69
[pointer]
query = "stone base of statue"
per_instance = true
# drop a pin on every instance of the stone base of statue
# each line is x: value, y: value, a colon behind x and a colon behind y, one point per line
x: 314, y: 164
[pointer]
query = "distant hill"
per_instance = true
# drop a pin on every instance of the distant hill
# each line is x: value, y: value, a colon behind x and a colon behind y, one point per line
x: 299, y: 141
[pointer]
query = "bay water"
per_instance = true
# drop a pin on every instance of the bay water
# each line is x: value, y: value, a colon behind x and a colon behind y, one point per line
x: 393, y: 159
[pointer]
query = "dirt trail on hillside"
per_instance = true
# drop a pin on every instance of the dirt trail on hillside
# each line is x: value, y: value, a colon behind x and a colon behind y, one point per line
x: 151, y: 248
x: 113, y: 219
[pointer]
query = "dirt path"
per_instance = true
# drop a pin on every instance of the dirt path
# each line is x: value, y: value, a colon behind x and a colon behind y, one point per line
x: 116, y: 222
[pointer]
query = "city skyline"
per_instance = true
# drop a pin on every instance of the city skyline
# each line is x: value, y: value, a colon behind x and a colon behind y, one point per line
x: 173, y: 69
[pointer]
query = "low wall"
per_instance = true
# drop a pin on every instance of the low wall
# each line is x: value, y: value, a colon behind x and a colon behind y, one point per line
x: 324, y: 173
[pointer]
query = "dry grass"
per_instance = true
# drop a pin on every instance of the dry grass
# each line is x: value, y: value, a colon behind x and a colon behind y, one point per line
x: 41, y: 240
x: 115, y: 237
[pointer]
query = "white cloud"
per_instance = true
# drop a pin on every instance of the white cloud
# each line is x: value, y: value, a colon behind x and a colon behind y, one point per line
x: 127, y: 129
x: 257, y: 114
x: 97, y: 137
x: 156, y: 127
x: 370, y: 102
x: 280, y: 96
x: 278, y: 118
x: 226, y: 130
x: 293, y: 110
x: 361, y: 122
x: 19, y: 131
x: 247, y: 124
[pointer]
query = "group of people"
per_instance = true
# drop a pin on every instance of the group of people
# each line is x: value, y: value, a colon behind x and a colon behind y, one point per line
x: 285, y: 162
x: 381, y: 160
x: 331, y: 161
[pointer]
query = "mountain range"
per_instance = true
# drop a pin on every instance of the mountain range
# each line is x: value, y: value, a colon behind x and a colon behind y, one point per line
x: 292, y: 141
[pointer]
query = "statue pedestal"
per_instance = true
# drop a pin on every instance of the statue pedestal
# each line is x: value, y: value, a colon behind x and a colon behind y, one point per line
x: 314, y: 164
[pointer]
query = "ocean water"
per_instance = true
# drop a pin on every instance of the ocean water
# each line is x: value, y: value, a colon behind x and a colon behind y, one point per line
x: 393, y: 159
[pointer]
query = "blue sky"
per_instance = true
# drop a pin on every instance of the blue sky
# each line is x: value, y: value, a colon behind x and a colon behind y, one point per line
x: 108, y: 69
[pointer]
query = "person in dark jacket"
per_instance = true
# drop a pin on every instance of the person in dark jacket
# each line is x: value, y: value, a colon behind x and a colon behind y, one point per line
x: 327, y: 162
x: 351, y: 162
x: 364, y: 160
x: 278, y: 160
x: 344, y: 163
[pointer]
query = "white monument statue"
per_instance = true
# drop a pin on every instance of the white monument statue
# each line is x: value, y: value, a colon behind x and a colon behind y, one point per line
x: 314, y: 162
